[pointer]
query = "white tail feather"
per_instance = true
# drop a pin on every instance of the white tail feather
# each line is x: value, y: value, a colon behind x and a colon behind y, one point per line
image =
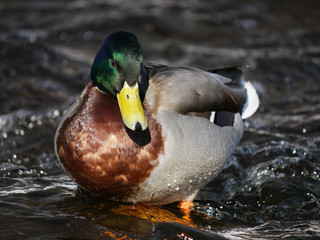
x: 252, y: 103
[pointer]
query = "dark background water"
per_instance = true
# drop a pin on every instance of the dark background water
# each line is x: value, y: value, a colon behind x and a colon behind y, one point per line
x: 270, y: 188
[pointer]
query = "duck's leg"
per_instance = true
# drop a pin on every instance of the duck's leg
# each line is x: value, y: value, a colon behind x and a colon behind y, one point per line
x: 186, y: 205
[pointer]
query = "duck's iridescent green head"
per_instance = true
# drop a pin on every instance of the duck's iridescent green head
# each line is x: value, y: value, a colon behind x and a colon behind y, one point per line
x: 118, y: 70
x: 119, y: 60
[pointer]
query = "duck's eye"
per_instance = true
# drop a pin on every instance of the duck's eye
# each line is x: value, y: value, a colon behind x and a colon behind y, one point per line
x: 128, y: 96
x: 113, y: 63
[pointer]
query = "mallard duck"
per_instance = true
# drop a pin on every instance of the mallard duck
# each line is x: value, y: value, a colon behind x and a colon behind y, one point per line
x: 151, y: 133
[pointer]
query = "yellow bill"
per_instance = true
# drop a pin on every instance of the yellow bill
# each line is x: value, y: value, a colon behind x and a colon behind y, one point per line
x: 131, y: 108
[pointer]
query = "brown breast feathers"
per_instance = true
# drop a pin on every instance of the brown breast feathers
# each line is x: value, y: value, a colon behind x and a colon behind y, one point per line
x: 96, y: 150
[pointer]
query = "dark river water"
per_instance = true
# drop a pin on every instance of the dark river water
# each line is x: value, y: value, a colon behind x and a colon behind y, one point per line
x: 270, y: 188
